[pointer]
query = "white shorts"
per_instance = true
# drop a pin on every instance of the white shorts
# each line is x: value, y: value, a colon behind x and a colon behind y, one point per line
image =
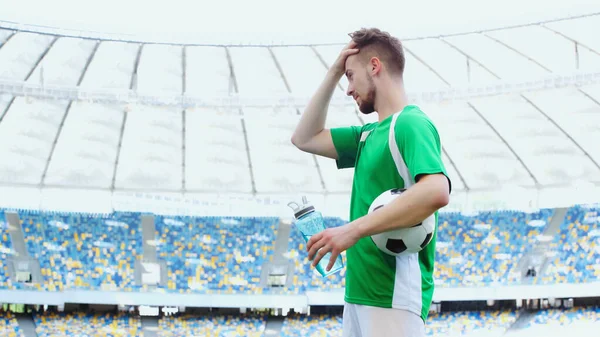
x: 367, y: 321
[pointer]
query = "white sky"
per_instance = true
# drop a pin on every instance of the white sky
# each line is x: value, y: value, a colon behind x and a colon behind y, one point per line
x: 277, y: 21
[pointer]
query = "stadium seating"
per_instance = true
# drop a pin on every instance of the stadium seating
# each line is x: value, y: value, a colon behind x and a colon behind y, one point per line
x: 474, y: 323
x: 212, y: 326
x: 9, y: 327
x: 52, y: 324
x: 312, y: 326
x: 215, y: 254
x: 84, y: 251
x: 483, y: 248
x: 5, y: 248
x: 225, y: 254
x: 447, y: 324
x: 555, y: 322
x: 208, y: 255
x: 577, y: 248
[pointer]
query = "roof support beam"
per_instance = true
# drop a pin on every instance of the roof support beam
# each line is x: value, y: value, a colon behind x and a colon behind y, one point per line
x: 67, y: 110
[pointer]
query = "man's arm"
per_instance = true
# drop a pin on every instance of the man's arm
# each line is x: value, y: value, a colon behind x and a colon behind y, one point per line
x: 310, y: 134
x: 413, y: 206
x: 416, y: 204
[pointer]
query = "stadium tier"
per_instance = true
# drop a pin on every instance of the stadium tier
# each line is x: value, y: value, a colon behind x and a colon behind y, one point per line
x: 312, y: 326
x: 5, y: 249
x: 485, y: 248
x: 570, y: 321
x: 466, y: 324
x: 476, y: 323
x: 86, y: 324
x: 84, y: 251
x: 215, y: 254
x: 99, y: 252
x: 9, y: 327
x: 576, y: 248
x: 226, y: 254
x: 212, y: 325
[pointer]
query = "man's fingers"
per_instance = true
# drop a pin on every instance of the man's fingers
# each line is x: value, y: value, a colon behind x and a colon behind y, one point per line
x: 332, y: 258
x: 320, y: 255
x: 312, y: 240
x: 349, y: 52
x: 314, y: 248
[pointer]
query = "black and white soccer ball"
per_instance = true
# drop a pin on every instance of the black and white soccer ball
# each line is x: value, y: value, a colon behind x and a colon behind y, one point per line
x: 402, y: 241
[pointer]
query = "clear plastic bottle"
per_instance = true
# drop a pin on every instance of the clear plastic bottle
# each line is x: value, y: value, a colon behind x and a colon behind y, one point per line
x: 310, y: 222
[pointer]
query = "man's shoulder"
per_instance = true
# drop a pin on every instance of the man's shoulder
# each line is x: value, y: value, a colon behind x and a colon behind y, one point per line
x: 412, y: 112
x: 369, y: 126
x: 413, y: 116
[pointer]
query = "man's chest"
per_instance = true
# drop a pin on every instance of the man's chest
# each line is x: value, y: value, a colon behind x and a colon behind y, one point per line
x: 373, y: 153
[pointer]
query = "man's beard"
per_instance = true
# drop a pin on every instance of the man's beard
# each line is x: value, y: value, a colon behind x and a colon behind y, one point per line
x: 367, y: 105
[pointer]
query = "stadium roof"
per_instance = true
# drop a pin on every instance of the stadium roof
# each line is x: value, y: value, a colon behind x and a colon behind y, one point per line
x: 518, y: 110
x: 272, y: 21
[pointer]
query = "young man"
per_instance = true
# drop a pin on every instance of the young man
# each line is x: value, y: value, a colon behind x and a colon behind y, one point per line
x: 385, y: 295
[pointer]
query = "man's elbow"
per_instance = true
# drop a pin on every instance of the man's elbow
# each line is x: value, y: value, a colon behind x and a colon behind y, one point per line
x: 439, y: 191
x: 441, y: 199
x: 296, y: 142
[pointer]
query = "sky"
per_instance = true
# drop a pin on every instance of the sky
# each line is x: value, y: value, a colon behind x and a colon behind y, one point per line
x: 276, y: 21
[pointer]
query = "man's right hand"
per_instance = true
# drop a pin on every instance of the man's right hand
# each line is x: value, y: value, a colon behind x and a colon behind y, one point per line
x: 339, y: 66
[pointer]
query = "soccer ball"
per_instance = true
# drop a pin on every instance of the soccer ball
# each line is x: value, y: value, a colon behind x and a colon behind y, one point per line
x: 402, y: 241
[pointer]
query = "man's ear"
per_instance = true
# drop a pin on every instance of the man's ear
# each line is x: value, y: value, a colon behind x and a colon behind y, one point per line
x: 374, y: 65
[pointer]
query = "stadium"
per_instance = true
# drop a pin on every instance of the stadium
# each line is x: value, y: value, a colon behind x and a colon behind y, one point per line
x: 143, y: 193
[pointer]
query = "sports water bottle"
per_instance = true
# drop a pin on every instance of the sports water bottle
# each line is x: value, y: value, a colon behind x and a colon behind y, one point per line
x: 310, y: 222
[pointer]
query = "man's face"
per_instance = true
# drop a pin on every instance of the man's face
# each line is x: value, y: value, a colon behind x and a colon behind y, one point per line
x: 360, y: 84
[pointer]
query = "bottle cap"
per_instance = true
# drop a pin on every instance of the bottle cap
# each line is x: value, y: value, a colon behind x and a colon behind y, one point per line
x: 300, y: 210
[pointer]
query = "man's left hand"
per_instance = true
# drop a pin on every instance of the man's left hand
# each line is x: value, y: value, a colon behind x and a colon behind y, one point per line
x: 334, y: 240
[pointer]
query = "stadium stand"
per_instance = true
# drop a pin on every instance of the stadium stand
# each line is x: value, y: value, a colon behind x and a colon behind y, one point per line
x: 312, y: 326
x: 484, y: 248
x: 5, y: 250
x: 203, y: 254
x: 461, y: 323
x: 576, y: 248
x: 52, y: 324
x: 215, y: 254
x: 472, y: 323
x: 84, y: 251
x: 464, y: 323
x: 446, y: 324
x: 559, y: 322
x: 225, y: 254
x: 9, y: 327
x: 212, y: 325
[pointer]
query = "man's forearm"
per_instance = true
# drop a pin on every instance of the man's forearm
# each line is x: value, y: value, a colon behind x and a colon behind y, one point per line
x: 313, y: 119
x: 410, y: 208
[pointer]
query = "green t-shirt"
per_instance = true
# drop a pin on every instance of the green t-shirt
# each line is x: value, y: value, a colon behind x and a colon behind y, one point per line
x: 374, y: 278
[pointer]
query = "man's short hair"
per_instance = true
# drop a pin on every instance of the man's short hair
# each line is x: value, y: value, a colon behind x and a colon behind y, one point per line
x: 374, y: 42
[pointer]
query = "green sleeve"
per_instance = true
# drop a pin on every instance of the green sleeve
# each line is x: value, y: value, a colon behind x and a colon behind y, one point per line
x: 419, y: 143
x: 345, y: 140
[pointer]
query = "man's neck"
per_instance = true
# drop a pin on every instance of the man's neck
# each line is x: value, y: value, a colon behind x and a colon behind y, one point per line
x: 390, y: 99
